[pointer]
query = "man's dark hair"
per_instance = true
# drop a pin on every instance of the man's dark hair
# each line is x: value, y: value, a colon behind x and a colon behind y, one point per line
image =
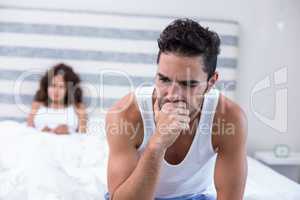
x: 187, y: 37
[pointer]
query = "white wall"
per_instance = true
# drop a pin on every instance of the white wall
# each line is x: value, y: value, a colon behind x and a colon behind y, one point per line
x: 264, y: 49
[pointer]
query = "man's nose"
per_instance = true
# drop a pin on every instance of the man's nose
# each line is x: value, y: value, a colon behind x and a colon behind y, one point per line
x: 174, y: 92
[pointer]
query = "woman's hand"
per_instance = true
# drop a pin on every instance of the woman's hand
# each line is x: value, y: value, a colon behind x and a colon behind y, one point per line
x: 61, y: 129
x: 46, y: 129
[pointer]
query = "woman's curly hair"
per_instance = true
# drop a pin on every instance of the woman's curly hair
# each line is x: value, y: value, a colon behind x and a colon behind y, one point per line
x: 72, y: 82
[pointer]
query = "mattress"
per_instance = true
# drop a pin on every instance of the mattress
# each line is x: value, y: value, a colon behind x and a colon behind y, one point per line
x: 35, y: 166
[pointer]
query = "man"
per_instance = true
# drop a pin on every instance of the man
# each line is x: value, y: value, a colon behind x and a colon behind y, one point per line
x: 172, y: 140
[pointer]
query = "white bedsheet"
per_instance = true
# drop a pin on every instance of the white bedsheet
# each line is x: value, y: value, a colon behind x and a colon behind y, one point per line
x: 36, y: 165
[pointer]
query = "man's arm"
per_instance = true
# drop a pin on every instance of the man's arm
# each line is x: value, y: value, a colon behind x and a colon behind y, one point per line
x: 231, y: 164
x: 129, y: 177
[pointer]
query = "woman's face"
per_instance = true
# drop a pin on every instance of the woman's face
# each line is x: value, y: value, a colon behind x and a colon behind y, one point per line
x: 57, y: 89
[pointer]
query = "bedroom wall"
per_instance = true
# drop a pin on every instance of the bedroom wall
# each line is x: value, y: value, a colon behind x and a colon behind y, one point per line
x: 268, y: 42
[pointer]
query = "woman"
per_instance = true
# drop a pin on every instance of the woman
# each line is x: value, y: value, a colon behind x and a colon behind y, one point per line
x: 57, y: 105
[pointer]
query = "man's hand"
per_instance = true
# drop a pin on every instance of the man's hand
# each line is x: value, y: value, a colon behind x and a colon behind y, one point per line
x: 61, y: 129
x: 170, y: 121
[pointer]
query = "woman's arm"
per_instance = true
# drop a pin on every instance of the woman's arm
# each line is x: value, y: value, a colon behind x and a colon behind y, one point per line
x: 34, y: 108
x: 82, y: 118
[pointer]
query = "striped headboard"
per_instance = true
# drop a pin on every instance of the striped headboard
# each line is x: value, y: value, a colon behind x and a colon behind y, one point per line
x: 113, y: 54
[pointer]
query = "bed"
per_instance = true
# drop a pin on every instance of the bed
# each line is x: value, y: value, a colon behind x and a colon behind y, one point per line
x: 35, y: 165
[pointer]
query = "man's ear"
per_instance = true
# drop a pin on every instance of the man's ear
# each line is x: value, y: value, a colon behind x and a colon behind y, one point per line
x: 213, y: 79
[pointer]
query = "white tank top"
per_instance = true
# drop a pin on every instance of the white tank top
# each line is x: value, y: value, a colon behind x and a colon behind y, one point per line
x: 52, y: 117
x: 194, y: 175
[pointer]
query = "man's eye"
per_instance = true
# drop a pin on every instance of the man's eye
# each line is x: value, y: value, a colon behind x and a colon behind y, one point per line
x: 165, y: 80
x: 187, y: 84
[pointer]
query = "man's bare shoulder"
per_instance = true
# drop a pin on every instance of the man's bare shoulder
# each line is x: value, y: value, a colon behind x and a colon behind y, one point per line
x: 230, y: 122
x: 124, y: 119
x: 229, y: 110
x: 126, y: 108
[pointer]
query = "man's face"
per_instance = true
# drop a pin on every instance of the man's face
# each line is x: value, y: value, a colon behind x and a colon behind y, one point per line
x: 180, y: 78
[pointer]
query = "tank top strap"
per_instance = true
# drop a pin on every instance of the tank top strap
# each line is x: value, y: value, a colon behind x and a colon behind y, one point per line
x: 206, y: 122
x: 209, y: 108
x: 144, y: 100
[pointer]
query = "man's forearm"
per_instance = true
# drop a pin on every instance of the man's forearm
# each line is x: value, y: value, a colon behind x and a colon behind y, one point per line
x: 141, y: 183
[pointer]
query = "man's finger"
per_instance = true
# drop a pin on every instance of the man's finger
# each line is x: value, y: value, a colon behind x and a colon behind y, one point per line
x: 183, y: 119
x: 180, y: 104
x: 156, y: 107
x: 181, y: 111
x: 184, y: 126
